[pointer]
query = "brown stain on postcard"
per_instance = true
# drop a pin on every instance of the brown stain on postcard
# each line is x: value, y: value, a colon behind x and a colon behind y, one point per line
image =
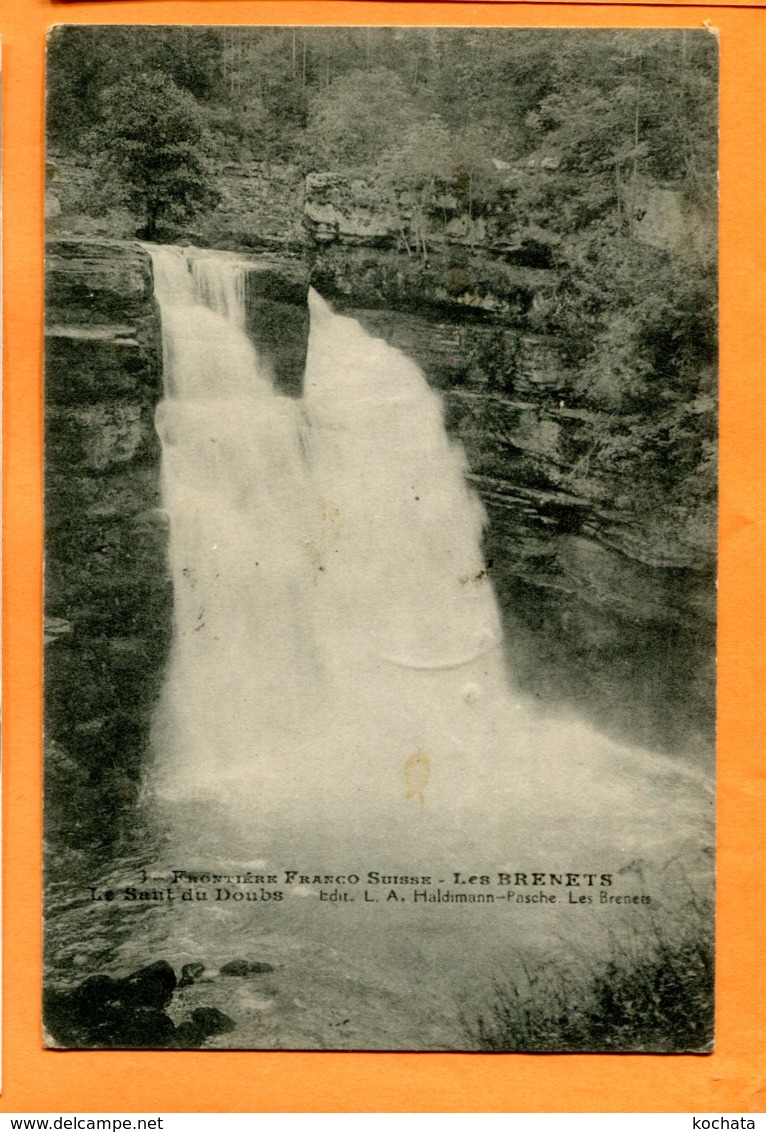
x: 417, y: 772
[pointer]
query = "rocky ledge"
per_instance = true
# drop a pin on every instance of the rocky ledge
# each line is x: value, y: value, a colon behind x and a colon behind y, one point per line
x: 107, y: 593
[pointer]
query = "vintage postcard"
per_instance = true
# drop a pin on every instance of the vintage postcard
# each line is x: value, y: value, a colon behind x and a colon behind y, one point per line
x: 381, y: 432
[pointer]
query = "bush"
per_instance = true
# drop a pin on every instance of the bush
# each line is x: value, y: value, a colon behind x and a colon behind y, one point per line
x: 652, y: 993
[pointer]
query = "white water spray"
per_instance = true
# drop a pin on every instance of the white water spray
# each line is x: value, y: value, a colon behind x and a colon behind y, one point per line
x: 337, y: 648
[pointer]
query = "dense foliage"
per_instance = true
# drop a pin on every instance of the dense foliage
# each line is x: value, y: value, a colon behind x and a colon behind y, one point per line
x: 653, y: 993
x: 153, y: 150
x: 344, y: 95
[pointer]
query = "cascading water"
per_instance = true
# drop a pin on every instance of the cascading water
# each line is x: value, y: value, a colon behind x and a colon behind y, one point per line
x: 337, y: 653
x: 336, y: 679
x: 335, y: 704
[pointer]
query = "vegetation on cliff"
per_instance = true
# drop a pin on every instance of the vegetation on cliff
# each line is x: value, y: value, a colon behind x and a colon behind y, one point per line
x: 155, y: 151
x: 622, y: 103
x: 653, y: 993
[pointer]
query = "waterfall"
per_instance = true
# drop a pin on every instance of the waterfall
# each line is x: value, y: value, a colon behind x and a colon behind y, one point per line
x: 337, y: 653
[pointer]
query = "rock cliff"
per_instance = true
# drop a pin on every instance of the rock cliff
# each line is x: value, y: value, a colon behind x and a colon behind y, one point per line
x: 607, y: 603
x: 606, y: 606
x: 108, y: 597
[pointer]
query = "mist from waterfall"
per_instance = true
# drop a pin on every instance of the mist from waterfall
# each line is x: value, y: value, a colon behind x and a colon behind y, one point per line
x: 337, y: 646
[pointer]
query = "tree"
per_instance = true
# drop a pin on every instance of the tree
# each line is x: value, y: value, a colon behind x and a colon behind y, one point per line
x: 415, y: 167
x: 359, y: 116
x: 429, y: 169
x: 474, y: 177
x: 154, y: 147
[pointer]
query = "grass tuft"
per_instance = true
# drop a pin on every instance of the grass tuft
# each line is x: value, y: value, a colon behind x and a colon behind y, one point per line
x: 653, y: 992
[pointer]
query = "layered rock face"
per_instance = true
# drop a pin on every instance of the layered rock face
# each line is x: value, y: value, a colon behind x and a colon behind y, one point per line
x: 108, y: 600
x: 278, y: 319
x: 108, y: 594
x: 605, y: 608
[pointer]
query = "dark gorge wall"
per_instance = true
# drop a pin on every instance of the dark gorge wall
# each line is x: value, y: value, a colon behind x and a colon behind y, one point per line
x: 108, y: 597
x: 278, y: 318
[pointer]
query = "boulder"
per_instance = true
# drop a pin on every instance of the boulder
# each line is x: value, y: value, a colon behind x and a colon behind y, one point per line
x: 190, y: 973
x: 243, y: 967
x: 205, y: 1022
x: 108, y: 1013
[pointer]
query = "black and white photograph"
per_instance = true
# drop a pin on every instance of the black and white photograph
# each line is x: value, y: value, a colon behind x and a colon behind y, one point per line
x: 380, y: 538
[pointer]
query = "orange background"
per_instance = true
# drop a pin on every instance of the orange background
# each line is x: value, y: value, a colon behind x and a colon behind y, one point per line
x: 734, y: 1078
